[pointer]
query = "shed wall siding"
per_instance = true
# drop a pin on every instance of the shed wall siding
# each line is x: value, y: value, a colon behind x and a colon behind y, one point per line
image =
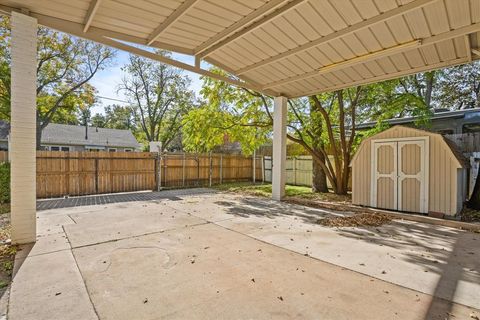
x: 443, y: 181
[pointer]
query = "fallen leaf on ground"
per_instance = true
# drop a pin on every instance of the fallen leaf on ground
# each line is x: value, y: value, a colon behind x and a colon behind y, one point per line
x: 356, y: 220
x: 281, y: 299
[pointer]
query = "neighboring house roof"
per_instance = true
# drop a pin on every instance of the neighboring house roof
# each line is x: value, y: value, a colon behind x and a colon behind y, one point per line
x: 65, y: 134
x: 4, y: 130
x: 457, y: 114
x: 75, y: 135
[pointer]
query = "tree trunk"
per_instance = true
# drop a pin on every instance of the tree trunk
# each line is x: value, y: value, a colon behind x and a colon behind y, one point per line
x: 319, y: 179
x: 39, y: 137
x: 474, y: 201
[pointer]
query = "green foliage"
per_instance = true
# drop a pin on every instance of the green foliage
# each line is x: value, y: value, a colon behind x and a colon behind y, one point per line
x: 158, y: 96
x: 4, y: 183
x: 65, y: 65
x: 236, y: 113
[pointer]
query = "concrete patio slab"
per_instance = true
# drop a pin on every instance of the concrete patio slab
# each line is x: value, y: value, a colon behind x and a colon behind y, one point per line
x: 49, y: 286
x: 107, y: 225
x: 215, y: 255
x: 208, y: 272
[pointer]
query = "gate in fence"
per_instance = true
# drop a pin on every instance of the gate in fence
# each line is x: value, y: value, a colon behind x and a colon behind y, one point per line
x: 299, y: 170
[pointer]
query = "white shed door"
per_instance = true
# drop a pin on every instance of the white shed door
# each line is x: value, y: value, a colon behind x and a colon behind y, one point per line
x: 399, y: 175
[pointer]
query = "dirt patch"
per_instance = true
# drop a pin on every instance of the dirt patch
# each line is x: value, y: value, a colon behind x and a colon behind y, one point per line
x: 356, y: 220
x: 470, y: 215
x: 7, y: 253
x: 342, y: 206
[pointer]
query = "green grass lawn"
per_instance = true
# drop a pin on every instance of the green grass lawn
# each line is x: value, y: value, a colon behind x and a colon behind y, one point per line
x: 265, y: 190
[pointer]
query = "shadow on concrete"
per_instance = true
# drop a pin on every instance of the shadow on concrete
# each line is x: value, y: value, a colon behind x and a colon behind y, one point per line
x: 264, y: 208
x: 452, y: 254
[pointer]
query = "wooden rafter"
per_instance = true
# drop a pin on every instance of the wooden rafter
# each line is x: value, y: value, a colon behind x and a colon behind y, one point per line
x: 468, y: 46
x: 347, y: 63
x: 341, y: 33
x: 177, y: 14
x: 385, y: 77
x: 376, y: 55
x: 242, y: 26
x: 92, y: 9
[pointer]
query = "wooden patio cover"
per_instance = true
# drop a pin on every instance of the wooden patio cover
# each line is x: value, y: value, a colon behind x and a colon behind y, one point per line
x: 278, y: 47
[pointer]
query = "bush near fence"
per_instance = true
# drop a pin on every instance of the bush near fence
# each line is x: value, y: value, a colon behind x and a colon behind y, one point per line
x: 4, y: 182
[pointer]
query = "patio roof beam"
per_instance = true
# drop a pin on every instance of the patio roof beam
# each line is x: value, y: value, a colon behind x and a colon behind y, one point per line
x: 92, y: 9
x: 64, y: 26
x: 239, y: 28
x: 116, y: 40
x: 177, y: 14
x: 468, y: 46
x: 341, y: 33
x: 379, y: 54
x: 389, y: 76
x: 347, y: 63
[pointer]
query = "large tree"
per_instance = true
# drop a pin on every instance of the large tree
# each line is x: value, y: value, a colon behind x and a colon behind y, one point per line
x: 115, y: 117
x: 459, y: 87
x: 159, y: 96
x: 65, y: 65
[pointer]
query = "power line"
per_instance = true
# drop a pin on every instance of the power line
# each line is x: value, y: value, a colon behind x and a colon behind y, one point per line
x: 113, y: 99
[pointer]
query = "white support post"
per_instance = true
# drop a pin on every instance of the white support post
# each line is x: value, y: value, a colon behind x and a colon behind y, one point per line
x: 279, y: 155
x: 23, y: 128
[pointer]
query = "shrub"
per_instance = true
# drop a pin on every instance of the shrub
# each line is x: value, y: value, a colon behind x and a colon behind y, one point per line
x: 4, y: 182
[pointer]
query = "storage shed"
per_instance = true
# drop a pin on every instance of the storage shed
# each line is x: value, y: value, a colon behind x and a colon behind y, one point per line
x: 411, y: 170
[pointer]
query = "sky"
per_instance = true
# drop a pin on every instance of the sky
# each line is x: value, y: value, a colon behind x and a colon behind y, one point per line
x: 107, y: 80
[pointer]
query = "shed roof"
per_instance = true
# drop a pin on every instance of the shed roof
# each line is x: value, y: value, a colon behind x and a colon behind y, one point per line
x: 280, y: 47
x: 461, y: 160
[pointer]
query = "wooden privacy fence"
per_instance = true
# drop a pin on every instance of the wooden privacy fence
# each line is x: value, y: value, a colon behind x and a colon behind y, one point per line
x: 3, y: 156
x: 82, y: 173
x: 187, y: 170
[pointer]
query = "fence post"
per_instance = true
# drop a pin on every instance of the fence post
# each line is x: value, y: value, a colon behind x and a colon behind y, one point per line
x: 263, y: 169
x: 96, y: 175
x: 67, y: 166
x: 183, y: 170
x: 294, y: 170
x: 210, y: 169
x: 165, y: 168
x: 159, y: 171
x: 254, y: 165
x: 221, y: 168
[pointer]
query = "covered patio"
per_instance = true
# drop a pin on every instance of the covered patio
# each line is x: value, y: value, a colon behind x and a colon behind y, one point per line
x: 281, y: 48
x: 230, y: 257
x: 208, y: 255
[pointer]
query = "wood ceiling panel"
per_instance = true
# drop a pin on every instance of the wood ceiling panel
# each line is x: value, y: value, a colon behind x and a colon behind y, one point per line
x: 366, y: 8
x: 387, y: 65
x: 329, y: 14
x: 301, y: 25
x: 437, y: 18
x: 414, y: 58
x: 418, y: 24
x: 458, y: 13
x: 289, y: 29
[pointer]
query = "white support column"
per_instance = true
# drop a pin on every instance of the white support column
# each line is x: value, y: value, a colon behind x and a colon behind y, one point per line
x: 23, y: 128
x: 279, y: 148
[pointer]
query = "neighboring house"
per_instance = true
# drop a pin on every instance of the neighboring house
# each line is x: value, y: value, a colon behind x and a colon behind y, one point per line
x: 64, y: 137
x: 443, y: 121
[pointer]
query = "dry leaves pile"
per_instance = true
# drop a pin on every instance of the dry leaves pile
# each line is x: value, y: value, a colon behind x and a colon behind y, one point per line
x: 356, y: 220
